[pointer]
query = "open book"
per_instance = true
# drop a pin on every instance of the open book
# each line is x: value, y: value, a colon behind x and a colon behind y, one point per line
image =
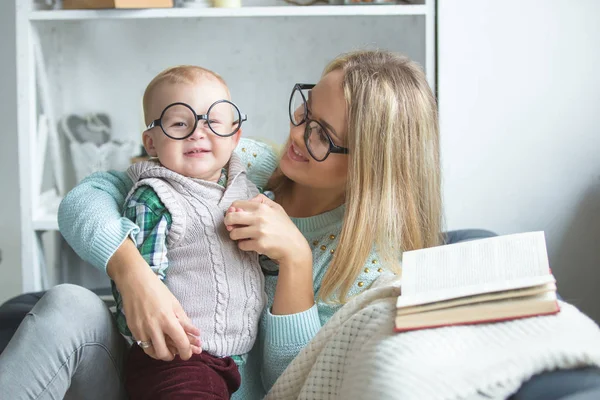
x: 487, y: 280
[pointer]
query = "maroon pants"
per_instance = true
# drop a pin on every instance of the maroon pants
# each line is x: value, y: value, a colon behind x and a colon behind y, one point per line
x: 201, y: 377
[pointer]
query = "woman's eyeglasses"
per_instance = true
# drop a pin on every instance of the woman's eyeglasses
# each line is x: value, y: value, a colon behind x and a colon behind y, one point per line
x: 316, y: 137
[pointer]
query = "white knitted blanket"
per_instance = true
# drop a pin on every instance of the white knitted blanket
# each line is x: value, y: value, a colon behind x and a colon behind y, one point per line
x: 356, y: 355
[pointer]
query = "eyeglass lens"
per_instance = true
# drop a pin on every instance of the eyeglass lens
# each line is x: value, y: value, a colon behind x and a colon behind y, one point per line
x: 298, y: 108
x: 316, y: 140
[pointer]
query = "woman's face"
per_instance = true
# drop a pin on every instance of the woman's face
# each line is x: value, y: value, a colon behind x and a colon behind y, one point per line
x: 327, y: 105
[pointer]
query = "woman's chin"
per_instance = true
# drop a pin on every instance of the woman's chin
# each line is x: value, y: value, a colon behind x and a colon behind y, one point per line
x: 289, y: 168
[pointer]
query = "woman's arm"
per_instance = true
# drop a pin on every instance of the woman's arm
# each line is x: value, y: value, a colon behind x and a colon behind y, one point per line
x: 259, y: 159
x: 284, y: 336
x: 294, y: 290
x: 90, y: 216
x: 146, y: 210
x: 91, y: 222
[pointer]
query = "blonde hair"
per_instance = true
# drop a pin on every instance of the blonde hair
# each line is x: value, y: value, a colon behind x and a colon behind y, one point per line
x: 179, y: 74
x: 393, y: 193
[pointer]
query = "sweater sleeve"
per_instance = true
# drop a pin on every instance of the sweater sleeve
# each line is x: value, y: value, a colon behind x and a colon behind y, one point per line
x: 284, y: 337
x: 90, y: 216
x: 259, y: 159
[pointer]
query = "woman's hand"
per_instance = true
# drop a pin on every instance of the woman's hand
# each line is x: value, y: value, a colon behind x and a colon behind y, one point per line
x: 263, y: 226
x: 152, y: 312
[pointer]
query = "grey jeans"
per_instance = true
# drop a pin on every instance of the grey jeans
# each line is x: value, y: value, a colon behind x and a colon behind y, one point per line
x: 68, y: 346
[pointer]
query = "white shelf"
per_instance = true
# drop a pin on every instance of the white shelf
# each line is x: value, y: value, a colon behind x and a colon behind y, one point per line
x: 45, y: 223
x: 274, y: 11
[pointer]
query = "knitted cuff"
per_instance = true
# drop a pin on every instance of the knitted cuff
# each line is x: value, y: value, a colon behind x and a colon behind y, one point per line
x: 293, y: 329
x: 109, y: 239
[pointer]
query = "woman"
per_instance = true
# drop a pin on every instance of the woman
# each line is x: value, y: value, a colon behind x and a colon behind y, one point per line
x: 358, y: 183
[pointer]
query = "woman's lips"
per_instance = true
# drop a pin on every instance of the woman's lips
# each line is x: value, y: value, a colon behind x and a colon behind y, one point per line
x: 295, y: 155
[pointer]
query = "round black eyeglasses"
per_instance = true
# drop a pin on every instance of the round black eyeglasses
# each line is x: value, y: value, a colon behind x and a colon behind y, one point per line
x: 316, y: 136
x: 179, y: 120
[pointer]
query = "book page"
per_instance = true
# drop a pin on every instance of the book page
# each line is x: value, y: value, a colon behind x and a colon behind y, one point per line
x: 469, y: 268
x: 478, y: 298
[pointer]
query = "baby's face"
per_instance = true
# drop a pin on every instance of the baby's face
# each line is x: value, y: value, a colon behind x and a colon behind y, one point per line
x: 203, y: 154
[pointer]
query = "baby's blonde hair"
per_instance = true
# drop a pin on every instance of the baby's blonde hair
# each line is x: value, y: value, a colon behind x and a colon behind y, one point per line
x: 179, y: 74
x: 393, y: 194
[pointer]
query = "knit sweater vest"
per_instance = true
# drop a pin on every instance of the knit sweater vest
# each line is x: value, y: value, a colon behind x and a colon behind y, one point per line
x: 220, y: 287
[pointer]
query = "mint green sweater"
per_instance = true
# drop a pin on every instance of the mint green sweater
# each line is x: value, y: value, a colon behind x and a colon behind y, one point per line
x: 90, y: 219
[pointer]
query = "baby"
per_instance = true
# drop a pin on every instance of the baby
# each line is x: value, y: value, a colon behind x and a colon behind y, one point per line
x: 178, y: 200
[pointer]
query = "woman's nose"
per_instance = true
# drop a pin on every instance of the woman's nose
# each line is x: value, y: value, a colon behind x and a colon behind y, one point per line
x: 297, y: 132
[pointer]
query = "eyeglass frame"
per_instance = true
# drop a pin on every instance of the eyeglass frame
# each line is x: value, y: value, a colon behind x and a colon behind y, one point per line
x: 333, y: 148
x: 198, y: 117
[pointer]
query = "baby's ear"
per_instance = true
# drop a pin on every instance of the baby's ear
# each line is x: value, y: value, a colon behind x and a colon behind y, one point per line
x: 236, y: 137
x: 149, y: 144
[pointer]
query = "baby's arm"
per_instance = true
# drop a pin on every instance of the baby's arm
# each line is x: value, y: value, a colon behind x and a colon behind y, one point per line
x: 145, y: 209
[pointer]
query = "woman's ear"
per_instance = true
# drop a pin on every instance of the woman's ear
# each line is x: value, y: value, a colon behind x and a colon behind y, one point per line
x: 149, y: 144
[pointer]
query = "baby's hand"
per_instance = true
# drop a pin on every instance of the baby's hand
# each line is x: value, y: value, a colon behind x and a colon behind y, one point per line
x: 229, y: 211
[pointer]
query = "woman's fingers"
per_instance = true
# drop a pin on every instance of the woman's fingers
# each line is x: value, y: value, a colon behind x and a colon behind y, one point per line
x: 196, y: 349
x: 196, y: 344
x: 255, y: 203
x: 246, y: 205
x: 185, y: 321
x: 181, y: 331
x: 239, y: 218
x: 180, y: 340
x: 159, y: 348
x: 262, y: 199
x: 192, y: 337
x: 250, y: 245
x: 244, y: 232
x: 173, y: 348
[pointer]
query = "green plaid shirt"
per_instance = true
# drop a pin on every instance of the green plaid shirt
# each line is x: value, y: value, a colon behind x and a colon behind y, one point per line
x: 154, y: 220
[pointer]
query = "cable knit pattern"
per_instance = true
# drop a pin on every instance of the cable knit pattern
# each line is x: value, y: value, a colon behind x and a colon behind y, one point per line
x: 218, y: 285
